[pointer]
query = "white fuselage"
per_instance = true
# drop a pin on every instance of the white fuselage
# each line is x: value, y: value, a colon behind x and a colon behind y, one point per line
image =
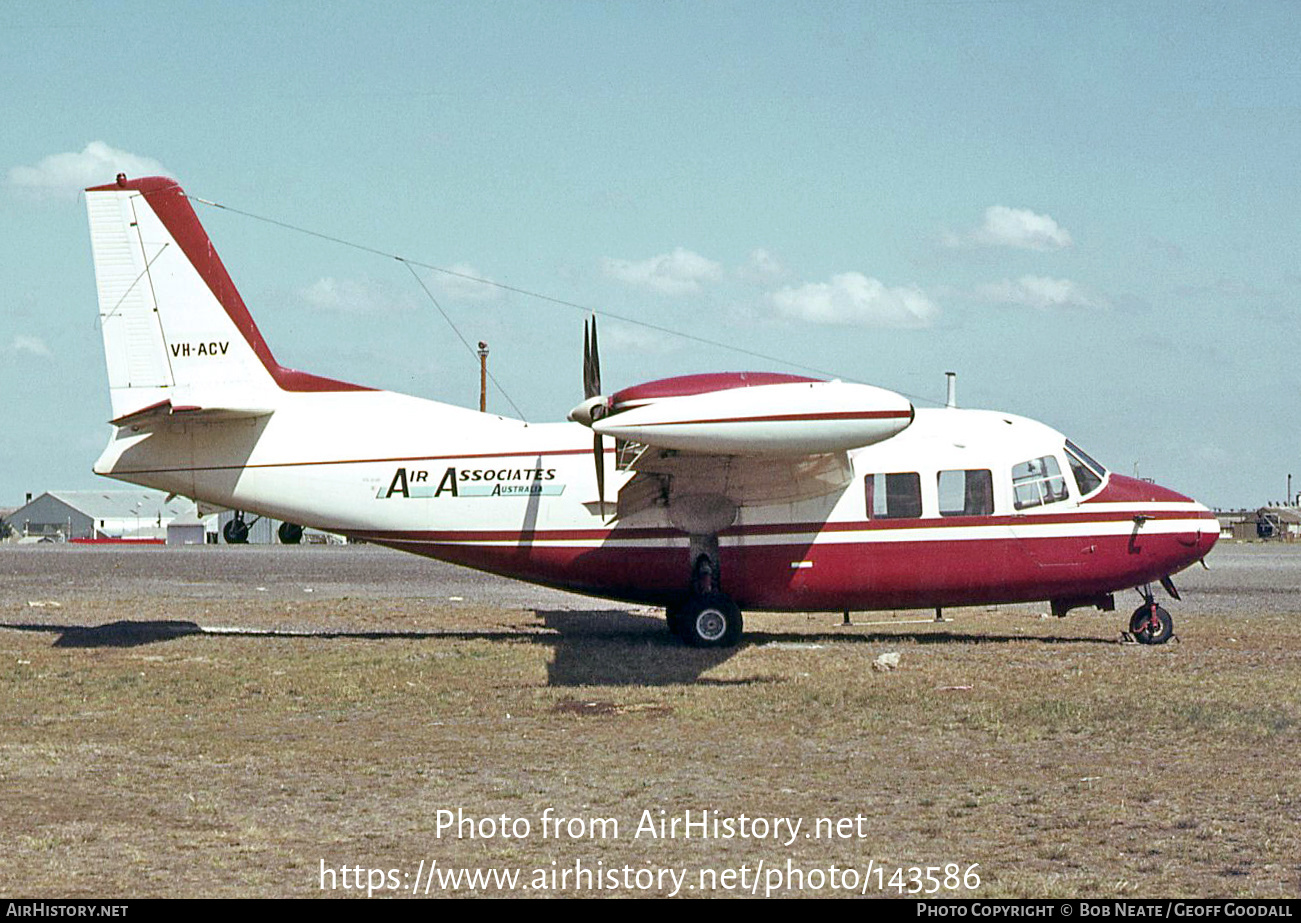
x: 521, y: 499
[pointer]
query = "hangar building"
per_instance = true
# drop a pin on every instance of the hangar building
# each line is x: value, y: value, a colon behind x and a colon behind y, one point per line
x: 63, y: 515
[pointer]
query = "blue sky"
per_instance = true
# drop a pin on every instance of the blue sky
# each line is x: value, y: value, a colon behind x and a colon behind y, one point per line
x: 1087, y: 210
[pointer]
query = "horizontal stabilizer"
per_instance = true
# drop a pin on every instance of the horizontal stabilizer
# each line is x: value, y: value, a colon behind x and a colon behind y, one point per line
x: 165, y: 413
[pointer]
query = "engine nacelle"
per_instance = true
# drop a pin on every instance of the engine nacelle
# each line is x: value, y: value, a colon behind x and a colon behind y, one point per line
x: 754, y: 414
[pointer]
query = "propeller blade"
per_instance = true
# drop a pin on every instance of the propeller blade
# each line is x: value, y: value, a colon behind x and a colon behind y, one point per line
x: 598, y: 452
x: 591, y: 389
x: 591, y: 362
x: 596, y: 362
x: 587, y: 364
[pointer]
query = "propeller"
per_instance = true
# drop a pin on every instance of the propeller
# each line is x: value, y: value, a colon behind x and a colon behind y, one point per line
x: 591, y: 361
x: 595, y: 409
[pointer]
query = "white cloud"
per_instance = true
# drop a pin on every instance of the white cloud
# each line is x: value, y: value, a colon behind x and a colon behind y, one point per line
x: 678, y: 273
x: 762, y: 267
x: 1039, y: 292
x: 347, y: 295
x: 1019, y: 228
x: 34, y: 345
x: 853, y: 299
x: 60, y: 176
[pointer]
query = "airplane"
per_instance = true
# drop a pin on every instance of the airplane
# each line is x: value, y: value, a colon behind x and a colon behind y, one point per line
x: 705, y: 494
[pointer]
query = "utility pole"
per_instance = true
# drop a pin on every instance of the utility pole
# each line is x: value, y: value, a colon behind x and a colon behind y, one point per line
x: 483, y: 377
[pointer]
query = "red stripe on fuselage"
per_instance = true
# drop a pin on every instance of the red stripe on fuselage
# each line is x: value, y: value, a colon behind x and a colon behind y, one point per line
x: 869, y: 575
x: 622, y: 533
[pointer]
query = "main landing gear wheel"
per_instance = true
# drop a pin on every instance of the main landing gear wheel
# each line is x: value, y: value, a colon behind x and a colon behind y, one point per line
x: 708, y: 621
x: 290, y: 533
x: 1150, y: 624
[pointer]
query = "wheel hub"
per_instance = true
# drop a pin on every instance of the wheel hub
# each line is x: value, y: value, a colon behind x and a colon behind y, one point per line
x: 711, y: 624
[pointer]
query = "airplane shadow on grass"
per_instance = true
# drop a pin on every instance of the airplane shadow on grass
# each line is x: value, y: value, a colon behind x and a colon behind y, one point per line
x: 590, y: 648
x: 617, y: 648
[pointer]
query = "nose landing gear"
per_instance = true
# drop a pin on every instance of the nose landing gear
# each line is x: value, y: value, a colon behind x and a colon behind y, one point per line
x: 1151, y: 624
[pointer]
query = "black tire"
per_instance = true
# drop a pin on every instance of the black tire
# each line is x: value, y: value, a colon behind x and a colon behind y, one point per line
x: 235, y: 532
x: 1150, y: 624
x: 290, y: 533
x: 711, y: 621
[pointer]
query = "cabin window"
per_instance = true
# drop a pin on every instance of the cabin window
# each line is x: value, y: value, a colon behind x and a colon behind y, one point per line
x: 1083, y: 456
x: 966, y: 493
x: 1086, y: 479
x: 1088, y: 473
x: 894, y: 496
x: 1037, y: 482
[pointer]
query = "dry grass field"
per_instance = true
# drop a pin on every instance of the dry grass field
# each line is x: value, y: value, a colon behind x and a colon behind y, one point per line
x: 222, y: 721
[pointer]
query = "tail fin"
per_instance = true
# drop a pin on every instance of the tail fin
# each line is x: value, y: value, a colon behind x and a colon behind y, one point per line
x: 177, y: 336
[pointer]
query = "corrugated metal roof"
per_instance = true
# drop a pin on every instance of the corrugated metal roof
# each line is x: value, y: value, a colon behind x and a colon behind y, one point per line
x: 124, y: 504
x: 1282, y: 513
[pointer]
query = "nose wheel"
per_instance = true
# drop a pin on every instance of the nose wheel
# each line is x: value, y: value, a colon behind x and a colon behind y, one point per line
x: 1150, y: 624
